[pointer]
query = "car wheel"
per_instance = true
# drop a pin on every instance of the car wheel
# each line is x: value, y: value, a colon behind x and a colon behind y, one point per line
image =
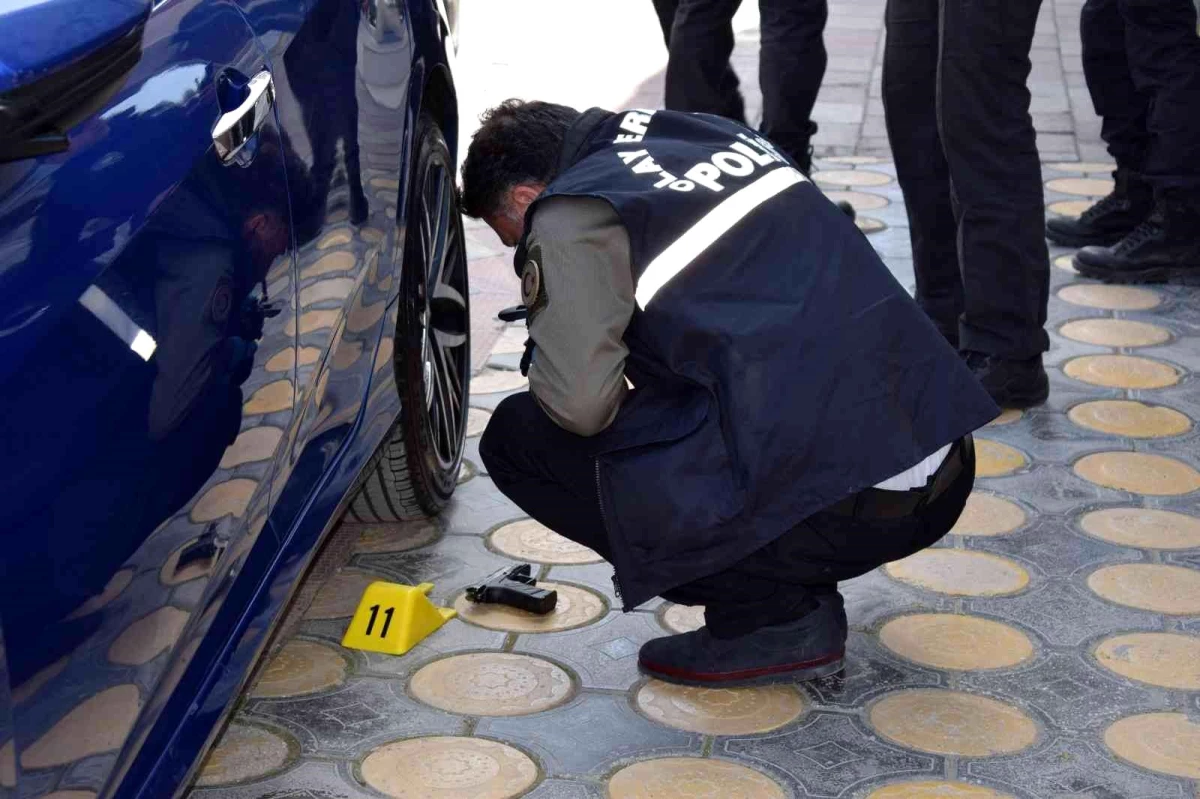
x: 416, y: 471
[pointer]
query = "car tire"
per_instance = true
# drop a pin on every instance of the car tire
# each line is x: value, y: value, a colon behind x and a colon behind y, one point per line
x: 416, y: 470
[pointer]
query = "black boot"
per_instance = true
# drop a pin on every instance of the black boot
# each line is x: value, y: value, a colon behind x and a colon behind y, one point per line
x: 1011, y: 383
x: 1165, y: 246
x: 1109, y: 220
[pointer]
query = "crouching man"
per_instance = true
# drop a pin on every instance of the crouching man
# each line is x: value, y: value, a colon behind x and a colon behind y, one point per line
x: 731, y: 399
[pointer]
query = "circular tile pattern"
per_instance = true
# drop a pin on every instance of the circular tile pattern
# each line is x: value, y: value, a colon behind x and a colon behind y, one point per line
x: 300, y: 668
x: 1007, y: 416
x: 528, y: 540
x: 993, y: 459
x: 340, y: 261
x: 99, y: 724
x: 1139, y: 473
x: 691, y: 778
x: 148, y: 637
x: 960, y: 572
x: 720, y: 711
x: 492, y: 684
x: 1082, y: 166
x: 477, y: 420
x: 1109, y: 298
x: 1115, y: 332
x: 282, y: 361
x: 1066, y: 263
x: 576, y: 607
x: 935, y: 789
x: 312, y: 321
x: 339, y: 595
x: 370, y: 235
x: 1171, y: 590
x: 1168, y: 743
x: 70, y: 795
x: 398, y: 537
x: 1122, y: 371
x: 28, y: 689
x: 271, y: 398
x: 1069, y: 207
x: 952, y: 723
x: 229, y: 498
x: 253, y: 445
x: 683, y: 618
x: 1084, y: 187
x: 850, y: 177
x: 338, y: 238
x: 955, y: 642
x: 449, y: 768
x: 244, y: 752
x: 1168, y: 660
x: 1143, y: 527
x: 1130, y: 419
x: 987, y: 514
x: 853, y: 160
x: 869, y: 224
x: 172, y: 574
x: 495, y: 381
x: 860, y: 200
x: 116, y: 584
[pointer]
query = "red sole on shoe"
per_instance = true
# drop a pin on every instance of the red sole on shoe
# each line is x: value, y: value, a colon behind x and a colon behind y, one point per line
x: 786, y: 672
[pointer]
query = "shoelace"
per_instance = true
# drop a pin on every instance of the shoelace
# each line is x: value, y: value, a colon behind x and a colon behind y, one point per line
x: 1150, y: 229
x: 1111, y: 202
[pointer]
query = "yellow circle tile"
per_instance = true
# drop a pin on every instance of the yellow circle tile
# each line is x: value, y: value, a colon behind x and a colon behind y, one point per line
x: 148, y: 637
x: 282, y: 361
x: 869, y: 224
x: 335, y: 289
x: 492, y: 684
x: 1171, y: 590
x: 1066, y: 263
x: 495, y: 381
x: 1168, y: 660
x: 172, y: 574
x: 1115, y: 332
x: 396, y: 537
x: 253, y: 445
x: 477, y: 420
x: 691, y: 778
x: 339, y: 596
x: 993, y: 459
x: 383, y: 354
x: 952, y: 723
x: 530, y: 541
x: 449, y: 768
x: 70, y: 795
x: 850, y: 177
x: 935, y: 789
x: 1122, y: 371
x: 385, y: 183
x: 575, y: 608
x: 309, y: 355
x: 955, y: 642
x: 363, y: 317
x: 271, y: 398
x: 1130, y: 419
x: 371, y: 235
x: 960, y: 572
x: 1139, y: 473
x: 1069, y: 207
x: 116, y: 584
x: 683, y: 618
x: 1168, y: 743
x: 244, y: 752
x: 338, y: 238
x: 1143, y: 527
x: 28, y: 689
x: 312, y: 321
x: 720, y: 711
x: 861, y: 201
x: 300, y: 668
x: 987, y: 514
x: 1085, y: 187
x: 1006, y: 417
x: 340, y: 261
x: 1109, y: 298
x: 99, y: 724
x: 230, y: 498
x: 1082, y: 166
x: 853, y: 160
x: 8, y: 765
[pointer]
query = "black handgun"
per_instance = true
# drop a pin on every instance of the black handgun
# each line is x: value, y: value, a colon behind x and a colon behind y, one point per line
x: 515, y: 587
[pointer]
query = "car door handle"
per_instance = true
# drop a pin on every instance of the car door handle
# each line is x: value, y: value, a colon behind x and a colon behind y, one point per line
x: 234, y: 128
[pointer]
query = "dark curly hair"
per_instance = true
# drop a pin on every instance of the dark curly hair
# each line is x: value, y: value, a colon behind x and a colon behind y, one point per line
x: 519, y: 142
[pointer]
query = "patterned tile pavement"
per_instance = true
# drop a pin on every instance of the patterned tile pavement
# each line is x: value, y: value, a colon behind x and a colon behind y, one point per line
x: 1049, y: 647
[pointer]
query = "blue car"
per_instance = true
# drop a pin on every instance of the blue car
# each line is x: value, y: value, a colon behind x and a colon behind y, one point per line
x: 233, y: 311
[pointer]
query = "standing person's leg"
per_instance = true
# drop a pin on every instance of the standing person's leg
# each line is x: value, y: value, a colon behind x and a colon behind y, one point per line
x: 699, y: 76
x: 665, y: 9
x: 991, y: 149
x: 910, y: 67
x: 791, y: 65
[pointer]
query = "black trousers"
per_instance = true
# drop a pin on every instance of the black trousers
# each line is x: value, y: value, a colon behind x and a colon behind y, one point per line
x: 1141, y: 59
x: 957, y: 111
x: 550, y: 474
x: 791, y: 66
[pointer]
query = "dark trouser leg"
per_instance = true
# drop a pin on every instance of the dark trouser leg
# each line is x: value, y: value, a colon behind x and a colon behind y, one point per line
x: 1123, y: 110
x: 699, y: 76
x: 665, y: 9
x: 989, y: 142
x: 791, y: 65
x: 910, y: 71
x: 1164, y: 57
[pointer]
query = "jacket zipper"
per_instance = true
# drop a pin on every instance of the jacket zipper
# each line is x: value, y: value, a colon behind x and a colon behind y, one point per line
x: 604, y: 524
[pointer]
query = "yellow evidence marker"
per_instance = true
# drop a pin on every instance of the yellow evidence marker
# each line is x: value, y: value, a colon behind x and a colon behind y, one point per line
x: 393, y: 618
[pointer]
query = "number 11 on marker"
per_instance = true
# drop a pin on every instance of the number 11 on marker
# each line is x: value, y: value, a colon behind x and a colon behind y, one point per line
x: 387, y: 620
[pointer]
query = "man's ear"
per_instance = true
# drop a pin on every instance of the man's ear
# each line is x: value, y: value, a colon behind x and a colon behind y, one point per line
x: 524, y: 194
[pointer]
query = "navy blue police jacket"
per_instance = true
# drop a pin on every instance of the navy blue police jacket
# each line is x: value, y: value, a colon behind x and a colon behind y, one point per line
x: 778, y: 367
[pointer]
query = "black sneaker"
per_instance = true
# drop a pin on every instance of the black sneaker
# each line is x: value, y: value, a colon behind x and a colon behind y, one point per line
x: 1165, y: 246
x: 813, y: 646
x: 1110, y: 219
x: 1011, y: 383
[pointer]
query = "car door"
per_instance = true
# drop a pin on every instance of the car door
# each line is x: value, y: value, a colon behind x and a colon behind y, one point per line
x: 148, y: 371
